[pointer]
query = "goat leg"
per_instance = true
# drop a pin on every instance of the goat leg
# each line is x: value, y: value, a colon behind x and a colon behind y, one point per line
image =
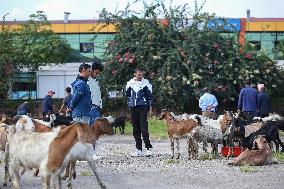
x: 178, y: 152
x: 66, y: 173
x: 172, y: 147
x: 93, y: 167
x: 6, y: 161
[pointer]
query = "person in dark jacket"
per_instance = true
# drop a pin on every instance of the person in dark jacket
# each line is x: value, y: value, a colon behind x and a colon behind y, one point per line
x: 66, y: 101
x: 264, y: 106
x: 47, y: 104
x: 139, y: 100
x: 23, y: 109
x: 247, y: 103
x: 80, y: 104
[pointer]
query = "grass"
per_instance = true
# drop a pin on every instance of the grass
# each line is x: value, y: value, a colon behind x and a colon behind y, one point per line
x: 279, y: 156
x: 248, y: 169
x: 157, y: 128
x: 172, y: 161
x: 281, y: 133
x: 85, y: 173
x: 207, y: 156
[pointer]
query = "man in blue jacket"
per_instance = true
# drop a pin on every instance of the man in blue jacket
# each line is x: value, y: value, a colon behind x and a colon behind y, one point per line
x: 47, y: 104
x: 247, y: 102
x: 139, y: 100
x: 23, y: 109
x: 264, y: 106
x: 80, y: 104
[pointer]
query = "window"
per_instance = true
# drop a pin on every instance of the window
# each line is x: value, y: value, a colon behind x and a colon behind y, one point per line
x: 87, y: 47
x: 257, y: 44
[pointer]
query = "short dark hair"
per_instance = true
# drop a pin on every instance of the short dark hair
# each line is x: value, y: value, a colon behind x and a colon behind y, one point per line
x: 247, y: 82
x: 97, y: 66
x: 206, y: 89
x: 84, y: 66
x: 138, y: 69
x: 68, y: 89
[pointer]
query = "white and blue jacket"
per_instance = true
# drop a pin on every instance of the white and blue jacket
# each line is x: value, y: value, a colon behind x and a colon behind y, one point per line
x: 139, y: 93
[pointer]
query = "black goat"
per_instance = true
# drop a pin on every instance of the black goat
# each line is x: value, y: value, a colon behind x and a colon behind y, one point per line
x: 61, y: 120
x: 270, y: 132
x: 119, y: 122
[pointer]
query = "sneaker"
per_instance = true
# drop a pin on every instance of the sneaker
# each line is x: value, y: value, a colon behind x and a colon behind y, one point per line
x: 148, y: 153
x: 138, y: 153
x: 96, y: 157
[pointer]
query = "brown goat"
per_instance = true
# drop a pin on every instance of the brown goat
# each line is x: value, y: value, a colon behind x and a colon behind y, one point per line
x: 100, y: 127
x: 261, y: 156
x: 180, y: 129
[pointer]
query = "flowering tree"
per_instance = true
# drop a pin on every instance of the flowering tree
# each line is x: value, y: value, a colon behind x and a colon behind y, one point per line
x: 181, y: 55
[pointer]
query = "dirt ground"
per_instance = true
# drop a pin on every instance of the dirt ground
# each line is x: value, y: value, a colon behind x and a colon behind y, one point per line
x: 118, y: 170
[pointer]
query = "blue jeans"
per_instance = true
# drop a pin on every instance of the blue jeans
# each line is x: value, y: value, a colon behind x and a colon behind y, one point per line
x: 84, y: 119
x: 94, y: 114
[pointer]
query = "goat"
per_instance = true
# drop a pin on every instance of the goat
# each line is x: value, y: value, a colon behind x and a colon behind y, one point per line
x: 86, y: 151
x: 180, y: 129
x: 270, y: 132
x: 212, y: 131
x: 261, y: 156
x: 49, y: 152
x: 119, y: 122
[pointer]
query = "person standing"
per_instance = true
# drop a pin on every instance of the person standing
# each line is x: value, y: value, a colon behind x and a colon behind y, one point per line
x: 247, y: 103
x: 96, y: 97
x: 80, y: 104
x: 23, y: 109
x: 208, y: 104
x: 47, y: 104
x: 263, y: 101
x: 139, y: 100
x: 66, y: 102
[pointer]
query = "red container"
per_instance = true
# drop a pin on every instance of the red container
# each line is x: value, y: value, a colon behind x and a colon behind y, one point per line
x: 237, y: 151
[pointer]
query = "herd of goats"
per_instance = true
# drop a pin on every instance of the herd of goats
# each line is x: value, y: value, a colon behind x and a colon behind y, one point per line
x: 54, y: 146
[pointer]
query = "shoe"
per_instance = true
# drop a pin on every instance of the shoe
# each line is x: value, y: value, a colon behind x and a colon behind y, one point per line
x: 148, y: 153
x: 138, y: 153
x: 96, y: 157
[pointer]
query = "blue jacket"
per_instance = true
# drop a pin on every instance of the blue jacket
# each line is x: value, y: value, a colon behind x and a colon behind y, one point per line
x: 139, y: 93
x: 67, y: 100
x: 248, y: 100
x: 47, y: 104
x: 263, y: 103
x: 80, y: 104
x: 22, y: 109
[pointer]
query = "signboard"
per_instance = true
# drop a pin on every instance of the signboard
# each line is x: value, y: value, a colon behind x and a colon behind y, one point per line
x: 228, y: 24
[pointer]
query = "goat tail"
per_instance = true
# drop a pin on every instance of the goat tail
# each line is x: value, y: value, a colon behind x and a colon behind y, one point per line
x: 198, y: 120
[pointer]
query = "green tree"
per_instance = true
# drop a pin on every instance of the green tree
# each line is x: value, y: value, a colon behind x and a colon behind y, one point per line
x: 181, y: 55
x: 28, y: 46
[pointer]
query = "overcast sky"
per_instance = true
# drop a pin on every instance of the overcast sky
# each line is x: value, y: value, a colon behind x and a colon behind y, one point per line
x: 88, y: 9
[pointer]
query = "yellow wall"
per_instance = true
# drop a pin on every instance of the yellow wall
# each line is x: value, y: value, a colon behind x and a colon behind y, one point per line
x: 265, y: 26
x: 78, y: 28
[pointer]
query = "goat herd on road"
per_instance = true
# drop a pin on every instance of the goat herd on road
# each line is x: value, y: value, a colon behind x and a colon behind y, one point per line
x: 61, y: 142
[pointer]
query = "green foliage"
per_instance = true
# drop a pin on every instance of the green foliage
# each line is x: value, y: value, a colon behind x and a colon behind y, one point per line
x: 181, y: 55
x: 157, y: 128
x: 30, y: 45
x: 207, y: 156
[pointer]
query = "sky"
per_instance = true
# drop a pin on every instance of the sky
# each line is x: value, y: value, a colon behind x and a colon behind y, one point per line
x: 89, y: 9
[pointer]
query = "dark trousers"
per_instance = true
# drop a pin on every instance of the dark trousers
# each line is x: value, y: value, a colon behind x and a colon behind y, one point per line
x: 140, y: 126
x: 249, y: 115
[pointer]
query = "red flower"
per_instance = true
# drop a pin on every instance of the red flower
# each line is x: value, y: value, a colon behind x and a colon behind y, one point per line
x: 114, y: 72
x: 120, y: 60
x: 249, y: 56
x: 165, y: 23
x: 131, y: 60
x: 215, y: 45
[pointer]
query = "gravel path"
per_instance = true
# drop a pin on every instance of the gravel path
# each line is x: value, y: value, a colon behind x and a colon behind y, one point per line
x: 119, y: 170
